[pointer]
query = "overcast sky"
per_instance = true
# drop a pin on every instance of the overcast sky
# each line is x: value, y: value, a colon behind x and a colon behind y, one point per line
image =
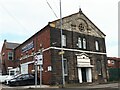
x: 20, y: 19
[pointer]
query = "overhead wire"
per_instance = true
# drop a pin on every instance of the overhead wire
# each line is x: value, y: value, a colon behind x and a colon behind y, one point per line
x: 12, y: 16
x: 52, y: 9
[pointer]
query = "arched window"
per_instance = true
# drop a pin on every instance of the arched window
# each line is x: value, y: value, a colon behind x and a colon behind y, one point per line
x: 84, y: 43
x: 79, y: 43
x: 99, y: 67
x: 97, y: 45
x: 65, y: 66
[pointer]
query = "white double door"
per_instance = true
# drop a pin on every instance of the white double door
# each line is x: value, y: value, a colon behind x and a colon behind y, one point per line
x: 84, y: 74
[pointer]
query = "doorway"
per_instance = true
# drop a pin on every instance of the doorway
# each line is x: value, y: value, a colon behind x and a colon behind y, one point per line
x: 84, y: 78
x: 84, y: 68
x: 84, y: 74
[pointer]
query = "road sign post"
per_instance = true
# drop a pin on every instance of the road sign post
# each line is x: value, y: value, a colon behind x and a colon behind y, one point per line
x: 35, y: 63
x: 40, y: 62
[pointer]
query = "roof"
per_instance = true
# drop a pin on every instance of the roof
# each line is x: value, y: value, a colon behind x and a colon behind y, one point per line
x: 16, y: 45
x: 11, y: 45
x: 113, y: 58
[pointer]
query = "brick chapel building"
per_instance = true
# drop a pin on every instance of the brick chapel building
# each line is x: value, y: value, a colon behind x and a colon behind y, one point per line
x: 84, y: 51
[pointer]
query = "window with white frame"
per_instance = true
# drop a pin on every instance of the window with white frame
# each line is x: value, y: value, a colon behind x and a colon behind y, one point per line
x: 109, y: 62
x: 10, y: 55
x: 96, y: 45
x: 63, y: 40
x: 65, y: 67
x: 79, y: 43
x: 84, y: 43
x: 112, y: 62
x: 49, y: 68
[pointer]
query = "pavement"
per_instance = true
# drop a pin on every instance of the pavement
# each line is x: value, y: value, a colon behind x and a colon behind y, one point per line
x: 28, y: 87
x: 109, y: 86
x: 0, y: 86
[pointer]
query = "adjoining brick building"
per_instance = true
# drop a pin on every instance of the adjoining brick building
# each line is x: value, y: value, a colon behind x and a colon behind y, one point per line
x: 84, y: 51
x: 113, y: 62
x: 7, y: 56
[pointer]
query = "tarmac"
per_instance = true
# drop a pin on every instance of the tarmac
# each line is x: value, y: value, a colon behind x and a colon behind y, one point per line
x: 108, y: 86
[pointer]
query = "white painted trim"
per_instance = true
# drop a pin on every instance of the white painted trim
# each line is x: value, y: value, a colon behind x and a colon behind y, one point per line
x: 27, y: 63
x: 74, y: 50
x: 65, y: 49
x: 47, y: 49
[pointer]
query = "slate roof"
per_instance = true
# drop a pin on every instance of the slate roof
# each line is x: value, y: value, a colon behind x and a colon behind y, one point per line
x: 11, y: 45
x: 113, y: 58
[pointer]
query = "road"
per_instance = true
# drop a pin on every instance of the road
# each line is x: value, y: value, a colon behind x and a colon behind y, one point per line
x: 111, y: 86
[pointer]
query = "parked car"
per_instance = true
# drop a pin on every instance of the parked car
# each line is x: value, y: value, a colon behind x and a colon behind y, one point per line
x: 23, y: 79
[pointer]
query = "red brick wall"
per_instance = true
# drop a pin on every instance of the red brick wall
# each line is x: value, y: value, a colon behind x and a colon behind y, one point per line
x: 46, y: 62
x: 5, y: 62
x: 41, y: 37
x: 113, y: 63
x: 30, y: 68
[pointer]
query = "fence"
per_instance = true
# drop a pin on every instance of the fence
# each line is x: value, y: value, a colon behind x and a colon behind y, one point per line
x: 114, y: 74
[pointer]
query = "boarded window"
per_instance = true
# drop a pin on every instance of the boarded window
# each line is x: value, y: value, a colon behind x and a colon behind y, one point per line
x: 63, y: 40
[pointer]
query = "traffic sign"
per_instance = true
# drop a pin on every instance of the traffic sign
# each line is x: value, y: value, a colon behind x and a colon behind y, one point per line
x: 36, y: 59
x: 40, y: 59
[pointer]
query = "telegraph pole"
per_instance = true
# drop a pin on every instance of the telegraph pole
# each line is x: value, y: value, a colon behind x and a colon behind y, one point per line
x: 63, y: 78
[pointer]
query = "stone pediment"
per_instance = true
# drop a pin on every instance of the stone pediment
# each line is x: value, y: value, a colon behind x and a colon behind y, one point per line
x: 82, y: 56
x: 83, y: 60
x: 78, y: 22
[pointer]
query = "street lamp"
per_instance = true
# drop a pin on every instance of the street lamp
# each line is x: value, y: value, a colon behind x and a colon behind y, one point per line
x: 63, y: 77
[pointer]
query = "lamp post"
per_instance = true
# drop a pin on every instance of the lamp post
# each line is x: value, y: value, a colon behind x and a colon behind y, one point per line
x: 63, y: 77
